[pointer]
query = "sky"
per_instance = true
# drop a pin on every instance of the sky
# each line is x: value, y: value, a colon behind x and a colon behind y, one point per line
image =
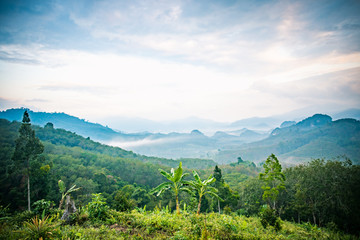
x: 167, y: 60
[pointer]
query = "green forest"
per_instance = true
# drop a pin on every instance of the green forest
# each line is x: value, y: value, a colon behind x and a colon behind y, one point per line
x: 119, y: 194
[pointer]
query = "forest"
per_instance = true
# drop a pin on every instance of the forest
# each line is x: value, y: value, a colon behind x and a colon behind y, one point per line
x: 123, y: 195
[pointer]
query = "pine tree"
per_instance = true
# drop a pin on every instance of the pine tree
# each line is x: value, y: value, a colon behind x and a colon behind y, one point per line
x: 27, y: 149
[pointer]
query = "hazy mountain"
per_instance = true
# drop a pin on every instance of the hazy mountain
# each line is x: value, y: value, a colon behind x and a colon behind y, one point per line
x: 62, y: 120
x: 287, y: 124
x: 350, y: 113
x: 314, y: 137
x: 293, y: 142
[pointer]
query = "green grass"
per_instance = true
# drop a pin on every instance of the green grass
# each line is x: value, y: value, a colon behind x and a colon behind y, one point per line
x: 166, y: 225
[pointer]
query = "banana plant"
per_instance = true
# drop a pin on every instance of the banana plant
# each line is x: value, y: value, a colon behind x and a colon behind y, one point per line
x: 176, y: 183
x: 203, y: 187
x: 63, y: 191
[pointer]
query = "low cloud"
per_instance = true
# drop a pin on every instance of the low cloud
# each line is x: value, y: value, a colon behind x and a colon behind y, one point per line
x: 143, y: 142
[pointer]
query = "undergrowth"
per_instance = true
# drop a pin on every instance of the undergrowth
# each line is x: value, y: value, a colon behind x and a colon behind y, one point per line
x: 162, y: 224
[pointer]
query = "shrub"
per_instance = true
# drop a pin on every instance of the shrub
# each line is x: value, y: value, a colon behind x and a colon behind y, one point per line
x: 268, y: 217
x: 97, y: 208
x: 21, y: 217
x: 42, y: 206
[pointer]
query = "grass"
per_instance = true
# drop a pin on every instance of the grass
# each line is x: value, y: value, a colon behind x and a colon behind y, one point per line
x: 166, y: 225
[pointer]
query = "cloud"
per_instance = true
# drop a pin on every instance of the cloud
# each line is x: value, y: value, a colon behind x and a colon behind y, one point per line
x: 341, y: 87
x: 143, y: 142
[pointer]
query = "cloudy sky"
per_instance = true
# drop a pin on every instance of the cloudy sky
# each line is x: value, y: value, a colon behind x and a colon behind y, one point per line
x: 163, y: 60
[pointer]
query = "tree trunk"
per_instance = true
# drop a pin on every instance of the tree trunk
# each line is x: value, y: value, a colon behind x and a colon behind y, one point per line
x: 61, y: 203
x: 219, y: 206
x: 314, y: 218
x: 28, y: 192
x: 199, y: 206
x: 177, y: 205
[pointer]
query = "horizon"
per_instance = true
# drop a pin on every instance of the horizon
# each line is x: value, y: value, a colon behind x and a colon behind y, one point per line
x: 206, y: 126
x: 166, y: 61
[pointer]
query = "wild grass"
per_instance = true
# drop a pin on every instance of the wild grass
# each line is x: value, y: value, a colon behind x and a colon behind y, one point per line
x: 162, y: 224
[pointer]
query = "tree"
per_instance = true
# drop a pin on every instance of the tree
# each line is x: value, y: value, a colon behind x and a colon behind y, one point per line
x: 203, y: 187
x: 217, y: 175
x: 27, y: 149
x: 273, y: 179
x: 176, y: 178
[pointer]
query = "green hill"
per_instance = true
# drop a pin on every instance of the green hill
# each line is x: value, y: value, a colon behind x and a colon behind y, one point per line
x: 315, y: 137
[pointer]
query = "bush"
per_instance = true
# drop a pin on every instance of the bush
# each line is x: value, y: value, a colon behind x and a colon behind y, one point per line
x: 97, y: 208
x: 268, y: 217
x: 21, y: 217
x: 41, y: 206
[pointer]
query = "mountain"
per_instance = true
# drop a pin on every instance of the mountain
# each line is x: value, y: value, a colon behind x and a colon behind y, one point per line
x: 349, y: 113
x: 314, y: 137
x: 292, y: 141
x: 64, y: 121
x: 60, y: 137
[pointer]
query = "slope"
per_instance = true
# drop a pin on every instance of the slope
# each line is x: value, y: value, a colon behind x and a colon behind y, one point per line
x: 315, y: 137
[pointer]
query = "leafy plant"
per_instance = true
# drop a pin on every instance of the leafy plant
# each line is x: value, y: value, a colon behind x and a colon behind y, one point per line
x: 37, y: 228
x: 63, y: 191
x: 203, y: 187
x: 176, y: 178
x: 41, y: 206
x: 268, y: 217
x: 97, y: 208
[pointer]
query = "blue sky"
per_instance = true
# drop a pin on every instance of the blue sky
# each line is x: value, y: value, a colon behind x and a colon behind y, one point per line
x: 163, y: 60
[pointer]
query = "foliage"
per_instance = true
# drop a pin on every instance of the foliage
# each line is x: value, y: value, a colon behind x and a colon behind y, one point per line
x: 268, y: 217
x: 324, y: 192
x: 176, y: 178
x: 39, y: 228
x: 63, y: 191
x: 97, y: 208
x: 27, y: 149
x: 203, y: 187
x: 273, y: 179
x: 122, y: 201
x: 43, y: 206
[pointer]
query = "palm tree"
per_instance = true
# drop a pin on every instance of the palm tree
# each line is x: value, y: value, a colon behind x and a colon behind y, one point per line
x: 176, y: 178
x: 203, y: 187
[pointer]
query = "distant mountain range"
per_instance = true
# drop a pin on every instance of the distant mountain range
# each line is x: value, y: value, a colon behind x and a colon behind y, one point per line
x: 310, y: 138
x: 314, y: 137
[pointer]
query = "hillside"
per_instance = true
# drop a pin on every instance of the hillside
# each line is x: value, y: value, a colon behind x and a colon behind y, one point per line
x: 315, y: 137
x: 172, y: 145
x: 61, y: 137
x: 122, y: 182
x: 64, y: 121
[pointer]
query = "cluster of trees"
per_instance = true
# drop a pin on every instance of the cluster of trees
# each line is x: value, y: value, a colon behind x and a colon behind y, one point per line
x: 321, y: 192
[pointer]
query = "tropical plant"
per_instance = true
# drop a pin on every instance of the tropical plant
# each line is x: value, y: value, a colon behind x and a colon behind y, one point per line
x: 37, y: 228
x: 176, y: 178
x: 203, y: 187
x: 63, y: 191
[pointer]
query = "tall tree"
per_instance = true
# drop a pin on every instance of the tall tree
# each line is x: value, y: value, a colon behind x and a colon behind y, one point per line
x: 27, y: 149
x: 176, y: 183
x: 273, y: 179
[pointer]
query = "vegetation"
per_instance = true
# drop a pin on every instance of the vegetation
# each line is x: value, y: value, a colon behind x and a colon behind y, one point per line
x: 177, y: 184
x: 25, y: 156
x: 316, y: 200
x: 203, y: 187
